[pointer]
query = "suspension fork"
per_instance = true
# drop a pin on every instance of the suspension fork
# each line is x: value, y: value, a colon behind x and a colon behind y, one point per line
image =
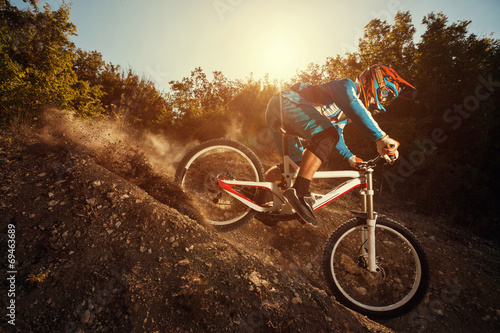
x: 368, y: 234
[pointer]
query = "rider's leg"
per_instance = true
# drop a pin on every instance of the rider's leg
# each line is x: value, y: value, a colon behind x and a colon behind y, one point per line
x: 309, y: 165
x: 301, y: 117
x: 298, y: 196
x: 318, y: 151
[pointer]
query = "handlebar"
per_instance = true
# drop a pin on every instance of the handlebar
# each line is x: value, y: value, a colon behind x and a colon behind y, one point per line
x: 369, y: 164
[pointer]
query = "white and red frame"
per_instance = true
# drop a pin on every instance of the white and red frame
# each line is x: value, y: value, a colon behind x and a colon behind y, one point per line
x: 279, y: 204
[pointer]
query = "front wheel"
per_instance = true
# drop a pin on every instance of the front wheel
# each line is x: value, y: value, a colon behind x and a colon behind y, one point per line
x: 402, y: 277
x: 203, y: 166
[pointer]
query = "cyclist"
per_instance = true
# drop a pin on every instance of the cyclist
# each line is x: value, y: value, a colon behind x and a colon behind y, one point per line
x: 320, y: 113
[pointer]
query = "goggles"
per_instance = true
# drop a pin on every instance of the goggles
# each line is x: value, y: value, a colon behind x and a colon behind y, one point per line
x: 385, y: 94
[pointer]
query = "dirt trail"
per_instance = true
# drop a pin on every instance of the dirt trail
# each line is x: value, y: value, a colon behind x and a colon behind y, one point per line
x: 94, y: 252
x: 102, y: 244
x: 464, y: 289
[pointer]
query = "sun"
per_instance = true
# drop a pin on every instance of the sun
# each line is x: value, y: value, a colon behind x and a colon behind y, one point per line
x: 277, y: 55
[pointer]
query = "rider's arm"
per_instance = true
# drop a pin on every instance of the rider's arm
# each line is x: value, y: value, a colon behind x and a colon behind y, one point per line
x: 343, y: 93
x: 341, y: 147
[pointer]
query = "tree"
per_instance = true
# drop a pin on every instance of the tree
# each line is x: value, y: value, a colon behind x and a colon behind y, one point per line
x: 200, y: 105
x: 89, y: 66
x: 447, y: 57
x: 37, y: 58
x: 141, y: 105
x: 382, y: 43
x: 343, y: 67
x: 313, y: 74
x: 248, y: 107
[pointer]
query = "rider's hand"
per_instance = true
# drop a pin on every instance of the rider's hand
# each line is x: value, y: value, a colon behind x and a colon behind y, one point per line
x: 353, y: 160
x: 388, y: 148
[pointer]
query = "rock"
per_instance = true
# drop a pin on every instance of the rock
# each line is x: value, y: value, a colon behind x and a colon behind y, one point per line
x: 183, y: 262
x: 362, y: 290
x: 439, y: 312
x: 53, y: 203
x: 85, y: 317
x: 256, y: 280
x: 91, y: 201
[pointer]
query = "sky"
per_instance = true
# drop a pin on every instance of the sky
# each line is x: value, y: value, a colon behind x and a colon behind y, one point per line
x: 164, y: 40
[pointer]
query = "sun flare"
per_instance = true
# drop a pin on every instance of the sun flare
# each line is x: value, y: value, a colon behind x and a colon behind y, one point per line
x: 277, y: 56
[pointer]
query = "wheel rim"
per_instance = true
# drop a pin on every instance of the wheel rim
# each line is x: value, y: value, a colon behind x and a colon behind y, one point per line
x: 200, y: 180
x: 389, y: 289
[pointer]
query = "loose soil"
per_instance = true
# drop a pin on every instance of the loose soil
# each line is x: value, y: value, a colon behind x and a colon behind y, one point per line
x: 105, y: 241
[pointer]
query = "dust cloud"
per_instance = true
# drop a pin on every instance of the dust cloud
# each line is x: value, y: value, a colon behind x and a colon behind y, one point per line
x: 110, y: 141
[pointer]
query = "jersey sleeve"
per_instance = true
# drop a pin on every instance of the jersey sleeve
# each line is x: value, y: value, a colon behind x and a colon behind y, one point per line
x: 341, y: 146
x: 343, y: 93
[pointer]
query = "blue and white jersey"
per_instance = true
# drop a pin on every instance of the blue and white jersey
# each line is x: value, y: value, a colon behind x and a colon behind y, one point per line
x: 338, y: 101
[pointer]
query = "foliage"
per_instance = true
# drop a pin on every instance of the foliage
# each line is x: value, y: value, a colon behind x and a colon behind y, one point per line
x: 201, y: 106
x: 36, y: 59
x: 135, y: 101
x: 249, y: 105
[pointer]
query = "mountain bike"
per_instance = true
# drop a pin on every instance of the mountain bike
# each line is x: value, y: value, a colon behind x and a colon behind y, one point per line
x: 372, y: 264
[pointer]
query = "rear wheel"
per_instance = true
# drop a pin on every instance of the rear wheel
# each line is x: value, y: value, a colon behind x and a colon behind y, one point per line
x: 203, y: 166
x: 402, y: 277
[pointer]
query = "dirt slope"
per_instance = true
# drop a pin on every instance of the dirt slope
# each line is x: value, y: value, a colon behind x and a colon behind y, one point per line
x: 96, y: 253
x: 103, y: 245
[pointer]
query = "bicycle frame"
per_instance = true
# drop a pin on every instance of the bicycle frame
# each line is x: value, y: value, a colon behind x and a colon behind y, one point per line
x: 363, y: 179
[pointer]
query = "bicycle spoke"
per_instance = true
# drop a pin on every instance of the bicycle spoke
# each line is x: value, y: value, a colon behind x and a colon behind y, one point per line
x: 205, y: 166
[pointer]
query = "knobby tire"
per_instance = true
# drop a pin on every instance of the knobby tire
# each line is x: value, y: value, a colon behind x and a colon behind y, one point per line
x: 201, y: 168
x: 400, y: 284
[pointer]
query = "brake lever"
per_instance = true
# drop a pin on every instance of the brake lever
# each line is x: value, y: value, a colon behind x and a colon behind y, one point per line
x: 369, y: 164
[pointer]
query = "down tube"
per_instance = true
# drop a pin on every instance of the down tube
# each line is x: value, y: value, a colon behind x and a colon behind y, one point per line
x: 337, y: 192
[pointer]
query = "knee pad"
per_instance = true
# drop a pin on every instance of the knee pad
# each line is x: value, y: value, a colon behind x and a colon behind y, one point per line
x: 323, y: 143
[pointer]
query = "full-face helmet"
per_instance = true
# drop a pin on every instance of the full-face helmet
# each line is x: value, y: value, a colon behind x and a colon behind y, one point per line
x: 380, y: 84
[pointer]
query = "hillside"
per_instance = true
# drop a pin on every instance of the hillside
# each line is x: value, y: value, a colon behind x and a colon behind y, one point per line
x: 102, y: 245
